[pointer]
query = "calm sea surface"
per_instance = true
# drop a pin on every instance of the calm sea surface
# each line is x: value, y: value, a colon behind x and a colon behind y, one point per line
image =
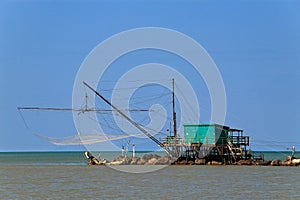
x: 64, y: 175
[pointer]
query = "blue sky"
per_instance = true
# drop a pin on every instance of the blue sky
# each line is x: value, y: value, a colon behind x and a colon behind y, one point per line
x: 255, y: 44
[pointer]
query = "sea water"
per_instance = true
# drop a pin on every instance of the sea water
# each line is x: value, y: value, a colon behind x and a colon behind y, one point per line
x: 65, y: 175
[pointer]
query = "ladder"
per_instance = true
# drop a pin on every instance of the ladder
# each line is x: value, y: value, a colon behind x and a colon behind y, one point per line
x: 230, y: 147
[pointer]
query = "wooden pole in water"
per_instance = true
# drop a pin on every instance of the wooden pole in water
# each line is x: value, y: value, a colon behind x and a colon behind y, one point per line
x: 133, y: 150
x: 123, y: 150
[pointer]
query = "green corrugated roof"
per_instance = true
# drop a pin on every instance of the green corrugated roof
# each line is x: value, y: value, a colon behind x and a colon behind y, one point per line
x: 226, y: 127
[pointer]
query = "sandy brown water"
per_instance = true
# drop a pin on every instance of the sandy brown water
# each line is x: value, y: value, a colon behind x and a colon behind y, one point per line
x: 174, y: 182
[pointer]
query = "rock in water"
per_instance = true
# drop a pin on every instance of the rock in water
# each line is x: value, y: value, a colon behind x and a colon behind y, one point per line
x: 141, y: 162
x: 149, y: 156
x: 152, y: 161
x: 200, y: 161
x: 276, y: 163
x: 265, y: 163
x: 215, y: 163
x: 246, y: 162
x: 135, y: 161
x: 163, y: 161
x: 296, y: 161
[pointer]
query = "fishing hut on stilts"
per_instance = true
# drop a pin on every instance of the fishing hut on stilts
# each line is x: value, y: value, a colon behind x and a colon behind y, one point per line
x: 209, y: 142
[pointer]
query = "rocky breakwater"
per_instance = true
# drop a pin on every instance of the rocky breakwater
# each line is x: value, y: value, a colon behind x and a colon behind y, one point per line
x: 290, y: 161
x: 154, y: 159
x: 147, y: 159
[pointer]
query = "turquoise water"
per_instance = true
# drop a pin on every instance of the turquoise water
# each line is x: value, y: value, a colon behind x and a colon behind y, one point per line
x: 42, y: 158
x: 276, y: 155
x: 65, y: 175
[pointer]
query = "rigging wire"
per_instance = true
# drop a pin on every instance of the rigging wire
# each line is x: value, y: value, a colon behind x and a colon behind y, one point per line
x: 108, y: 124
x: 23, y: 119
x: 187, y: 105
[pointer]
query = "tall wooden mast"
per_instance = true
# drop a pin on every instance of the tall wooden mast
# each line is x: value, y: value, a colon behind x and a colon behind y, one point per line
x: 174, y: 113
